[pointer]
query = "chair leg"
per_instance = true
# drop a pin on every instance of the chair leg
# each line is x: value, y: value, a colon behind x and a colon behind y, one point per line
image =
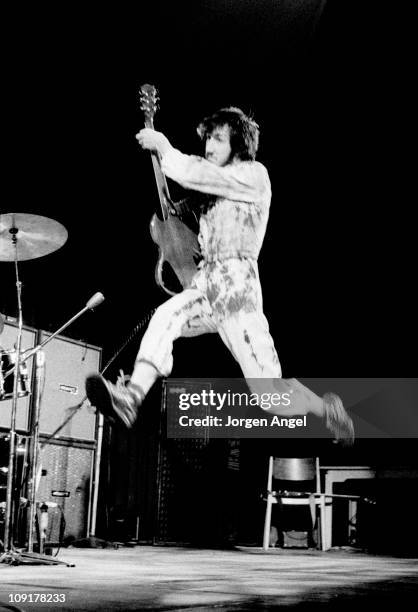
x: 267, y: 520
x: 322, y: 518
x: 267, y: 525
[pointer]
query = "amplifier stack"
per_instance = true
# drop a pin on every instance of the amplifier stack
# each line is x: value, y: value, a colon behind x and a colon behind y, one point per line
x: 66, y: 462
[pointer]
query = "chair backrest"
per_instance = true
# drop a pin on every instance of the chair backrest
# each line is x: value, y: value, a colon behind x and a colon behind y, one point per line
x: 285, y: 468
x: 292, y: 469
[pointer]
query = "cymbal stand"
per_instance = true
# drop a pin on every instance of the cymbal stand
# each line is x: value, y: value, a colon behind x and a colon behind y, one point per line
x: 8, y: 519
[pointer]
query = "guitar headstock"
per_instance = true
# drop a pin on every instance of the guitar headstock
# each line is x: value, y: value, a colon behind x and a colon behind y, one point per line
x: 148, y: 96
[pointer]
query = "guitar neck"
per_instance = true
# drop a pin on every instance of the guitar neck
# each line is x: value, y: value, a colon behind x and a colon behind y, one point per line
x: 160, y: 179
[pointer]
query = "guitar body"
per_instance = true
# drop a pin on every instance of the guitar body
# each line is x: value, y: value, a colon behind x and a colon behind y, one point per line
x: 178, y: 246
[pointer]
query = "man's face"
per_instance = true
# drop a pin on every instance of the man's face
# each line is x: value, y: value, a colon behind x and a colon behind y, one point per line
x: 218, y: 146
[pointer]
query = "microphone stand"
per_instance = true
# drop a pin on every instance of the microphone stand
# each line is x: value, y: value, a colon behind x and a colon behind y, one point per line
x: 11, y: 555
x: 91, y: 304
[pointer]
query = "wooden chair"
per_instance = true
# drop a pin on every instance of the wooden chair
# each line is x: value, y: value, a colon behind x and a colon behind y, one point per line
x: 289, y: 471
x: 292, y: 470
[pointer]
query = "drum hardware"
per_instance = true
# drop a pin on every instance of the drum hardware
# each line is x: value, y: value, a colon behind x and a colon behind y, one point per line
x: 7, y: 360
x: 24, y: 237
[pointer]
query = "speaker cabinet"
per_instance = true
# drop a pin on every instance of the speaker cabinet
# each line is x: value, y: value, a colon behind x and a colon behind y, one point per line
x: 67, y: 364
x: 181, y: 473
x: 196, y: 480
x: 65, y: 487
x: 7, y: 342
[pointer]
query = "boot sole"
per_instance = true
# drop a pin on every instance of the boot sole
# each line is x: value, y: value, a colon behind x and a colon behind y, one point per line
x: 99, y: 396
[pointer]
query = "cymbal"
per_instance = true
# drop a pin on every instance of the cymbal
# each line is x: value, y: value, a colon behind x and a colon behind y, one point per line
x: 36, y: 236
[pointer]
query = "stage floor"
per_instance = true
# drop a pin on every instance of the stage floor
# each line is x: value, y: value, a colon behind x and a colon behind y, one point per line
x: 168, y: 578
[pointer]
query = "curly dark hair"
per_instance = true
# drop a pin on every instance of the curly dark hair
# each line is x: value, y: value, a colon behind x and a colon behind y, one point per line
x: 244, y: 131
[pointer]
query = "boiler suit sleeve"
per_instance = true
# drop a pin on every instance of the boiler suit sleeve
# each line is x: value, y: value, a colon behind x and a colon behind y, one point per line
x: 244, y: 181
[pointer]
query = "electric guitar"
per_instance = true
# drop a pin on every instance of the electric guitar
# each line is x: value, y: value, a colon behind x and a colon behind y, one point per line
x: 177, y: 242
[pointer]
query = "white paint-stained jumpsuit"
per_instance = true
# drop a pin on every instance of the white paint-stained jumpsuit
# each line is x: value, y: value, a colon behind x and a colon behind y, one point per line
x: 225, y: 294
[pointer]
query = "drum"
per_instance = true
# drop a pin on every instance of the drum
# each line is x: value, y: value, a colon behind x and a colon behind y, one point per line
x: 7, y: 363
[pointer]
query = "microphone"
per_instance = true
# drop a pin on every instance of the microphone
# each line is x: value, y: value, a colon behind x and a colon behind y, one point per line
x: 95, y: 300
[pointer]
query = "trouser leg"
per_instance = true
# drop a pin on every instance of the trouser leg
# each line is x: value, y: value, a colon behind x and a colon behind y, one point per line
x: 248, y: 338
x: 185, y: 314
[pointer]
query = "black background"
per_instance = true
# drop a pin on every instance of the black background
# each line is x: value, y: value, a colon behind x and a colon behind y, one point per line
x: 331, y: 90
